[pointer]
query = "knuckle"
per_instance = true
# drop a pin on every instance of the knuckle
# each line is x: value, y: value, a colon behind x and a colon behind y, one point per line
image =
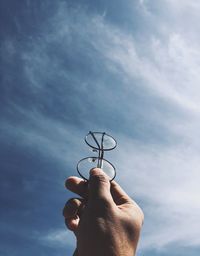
x: 67, y: 181
x: 99, y: 178
x: 99, y: 175
x: 102, y: 201
x: 69, y: 203
x: 70, y: 207
x: 100, y: 205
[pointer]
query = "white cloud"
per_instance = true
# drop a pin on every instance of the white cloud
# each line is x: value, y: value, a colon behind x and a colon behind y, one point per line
x: 167, y: 179
x: 171, y: 71
x: 179, y: 4
x: 58, y: 238
x: 167, y: 176
x: 164, y: 176
x: 42, y: 133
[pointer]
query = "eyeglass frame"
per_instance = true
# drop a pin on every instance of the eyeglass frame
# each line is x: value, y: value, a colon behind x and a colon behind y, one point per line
x: 100, y: 150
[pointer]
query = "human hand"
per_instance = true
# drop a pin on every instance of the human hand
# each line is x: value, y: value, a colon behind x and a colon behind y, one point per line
x: 105, y: 220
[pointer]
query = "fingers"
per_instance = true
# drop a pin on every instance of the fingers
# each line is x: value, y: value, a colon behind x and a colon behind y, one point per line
x: 98, y: 180
x: 99, y: 185
x: 121, y: 198
x: 118, y: 194
x: 77, y: 185
x: 71, y: 213
x: 72, y: 223
x: 71, y: 207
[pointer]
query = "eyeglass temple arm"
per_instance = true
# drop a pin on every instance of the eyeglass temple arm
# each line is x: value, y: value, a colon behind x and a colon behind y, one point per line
x: 95, y: 140
x: 99, y: 148
x: 101, y: 152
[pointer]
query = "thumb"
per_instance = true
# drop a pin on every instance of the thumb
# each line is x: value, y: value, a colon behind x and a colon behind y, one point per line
x: 99, y: 185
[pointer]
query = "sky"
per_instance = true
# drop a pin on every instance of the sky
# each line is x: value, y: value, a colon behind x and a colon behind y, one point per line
x: 129, y: 68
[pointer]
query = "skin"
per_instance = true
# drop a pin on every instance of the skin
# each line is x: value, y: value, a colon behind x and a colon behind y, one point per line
x: 104, y: 219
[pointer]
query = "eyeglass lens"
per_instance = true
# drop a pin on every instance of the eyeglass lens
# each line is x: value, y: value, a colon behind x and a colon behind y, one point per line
x: 97, y: 140
x: 100, y: 142
x: 86, y: 164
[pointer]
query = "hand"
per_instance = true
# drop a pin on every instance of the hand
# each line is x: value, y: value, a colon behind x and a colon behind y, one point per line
x: 105, y: 220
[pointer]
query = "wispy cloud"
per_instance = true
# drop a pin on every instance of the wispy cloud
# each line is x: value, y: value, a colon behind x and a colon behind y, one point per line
x: 57, y: 238
x: 166, y: 178
x: 83, y: 72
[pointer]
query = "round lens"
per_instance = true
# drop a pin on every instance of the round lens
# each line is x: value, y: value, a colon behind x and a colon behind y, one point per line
x: 99, y: 140
x: 85, y: 165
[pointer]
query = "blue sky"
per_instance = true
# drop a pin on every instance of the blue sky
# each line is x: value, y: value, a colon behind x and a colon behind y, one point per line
x: 130, y: 68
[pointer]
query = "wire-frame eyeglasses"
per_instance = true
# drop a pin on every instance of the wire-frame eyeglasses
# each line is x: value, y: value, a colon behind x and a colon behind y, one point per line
x: 99, y: 142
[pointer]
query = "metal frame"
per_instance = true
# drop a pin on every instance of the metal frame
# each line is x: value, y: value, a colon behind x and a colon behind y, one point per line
x: 100, y: 150
x: 95, y: 158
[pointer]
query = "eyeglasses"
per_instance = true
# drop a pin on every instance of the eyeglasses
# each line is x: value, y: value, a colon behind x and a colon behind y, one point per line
x: 99, y: 142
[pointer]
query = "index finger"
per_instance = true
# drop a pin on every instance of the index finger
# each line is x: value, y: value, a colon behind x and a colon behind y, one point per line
x: 77, y: 185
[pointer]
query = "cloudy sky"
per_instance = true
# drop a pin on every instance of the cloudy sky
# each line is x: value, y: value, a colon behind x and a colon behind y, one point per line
x: 130, y: 68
